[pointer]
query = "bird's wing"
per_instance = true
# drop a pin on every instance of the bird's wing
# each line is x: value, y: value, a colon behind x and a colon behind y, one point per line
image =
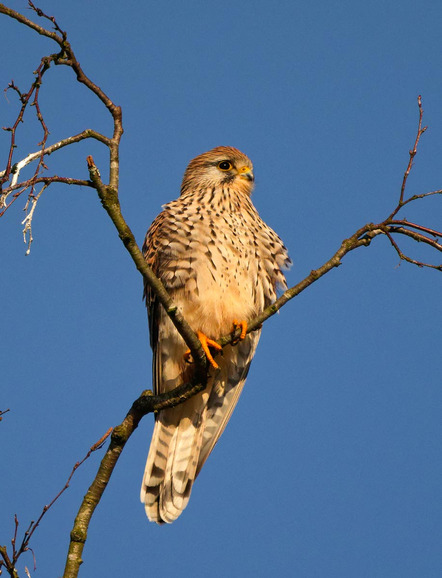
x: 177, y: 436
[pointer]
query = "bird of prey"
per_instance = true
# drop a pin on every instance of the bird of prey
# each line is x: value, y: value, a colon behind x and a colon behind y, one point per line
x: 222, y: 265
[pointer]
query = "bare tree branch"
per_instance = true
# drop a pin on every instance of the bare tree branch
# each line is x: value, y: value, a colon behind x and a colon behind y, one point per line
x: 17, y: 167
x: 413, y: 151
x: 108, y: 195
x: 23, y: 20
x: 10, y: 563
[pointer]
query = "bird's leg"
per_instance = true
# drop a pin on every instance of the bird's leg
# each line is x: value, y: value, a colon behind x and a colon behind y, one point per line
x: 206, y: 343
x: 239, y: 325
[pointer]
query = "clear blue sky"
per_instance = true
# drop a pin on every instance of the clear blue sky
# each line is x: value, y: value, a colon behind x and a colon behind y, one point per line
x: 331, y: 465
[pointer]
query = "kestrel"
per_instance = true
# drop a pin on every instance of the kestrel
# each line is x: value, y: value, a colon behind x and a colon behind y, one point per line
x: 222, y: 265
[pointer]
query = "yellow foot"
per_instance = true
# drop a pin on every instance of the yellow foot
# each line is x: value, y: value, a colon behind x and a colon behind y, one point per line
x: 206, y: 343
x: 239, y: 325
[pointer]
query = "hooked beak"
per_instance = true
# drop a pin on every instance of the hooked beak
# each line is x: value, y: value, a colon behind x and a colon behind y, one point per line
x: 246, y: 173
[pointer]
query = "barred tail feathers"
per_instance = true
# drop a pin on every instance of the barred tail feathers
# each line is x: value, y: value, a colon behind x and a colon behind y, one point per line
x: 171, y: 463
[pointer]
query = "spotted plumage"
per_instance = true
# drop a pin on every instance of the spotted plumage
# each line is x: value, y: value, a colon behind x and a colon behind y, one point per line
x: 220, y: 262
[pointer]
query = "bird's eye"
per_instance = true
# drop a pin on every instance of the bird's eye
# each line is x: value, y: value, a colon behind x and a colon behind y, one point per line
x: 225, y: 165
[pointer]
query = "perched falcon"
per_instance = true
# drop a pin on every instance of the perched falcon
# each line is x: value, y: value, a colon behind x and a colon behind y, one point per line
x: 222, y: 265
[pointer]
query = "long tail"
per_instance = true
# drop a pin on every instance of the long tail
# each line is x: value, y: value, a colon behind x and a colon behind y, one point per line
x: 184, y: 436
x: 172, y: 461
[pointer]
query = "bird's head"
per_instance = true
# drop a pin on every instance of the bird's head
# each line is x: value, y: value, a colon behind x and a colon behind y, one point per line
x: 219, y: 167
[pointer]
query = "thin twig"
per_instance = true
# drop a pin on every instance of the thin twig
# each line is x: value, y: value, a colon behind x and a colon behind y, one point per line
x: 415, y: 198
x: 24, y: 546
x: 27, y: 22
x: 416, y: 226
x: 41, y: 14
x: 22, y: 187
x: 404, y: 257
x: 19, y: 166
x: 2, y: 413
x: 412, y: 153
x: 419, y: 237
